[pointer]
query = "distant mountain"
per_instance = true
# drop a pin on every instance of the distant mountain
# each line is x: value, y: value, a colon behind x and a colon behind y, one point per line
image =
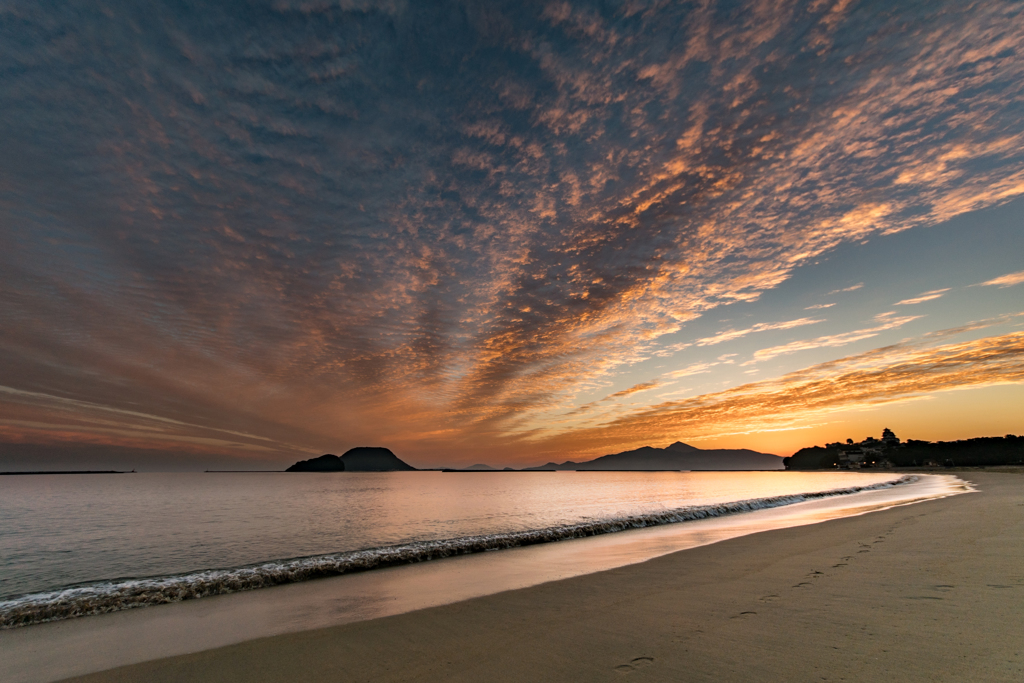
x: 328, y: 462
x: 481, y: 466
x: 360, y: 459
x: 678, y: 456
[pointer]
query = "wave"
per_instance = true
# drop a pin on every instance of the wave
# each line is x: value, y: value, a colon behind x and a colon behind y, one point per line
x: 119, y: 594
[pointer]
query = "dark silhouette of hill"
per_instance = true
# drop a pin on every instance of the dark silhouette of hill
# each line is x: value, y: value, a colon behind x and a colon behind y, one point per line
x: 359, y: 459
x: 328, y: 462
x: 678, y: 456
x: 980, y: 452
x: 813, y: 458
x: 989, y: 451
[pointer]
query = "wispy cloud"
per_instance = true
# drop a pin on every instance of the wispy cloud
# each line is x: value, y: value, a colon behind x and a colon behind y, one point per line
x: 885, y: 375
x: 817, y: 306
x: 35, y: 417
x: 1003, y: 281
x: 851, y: 288
x: 921, y: 298
x: 635, y: 389
x: 886, y: 322
x: 320, y: 223
x: 730, y: 335
x: 694, y: 369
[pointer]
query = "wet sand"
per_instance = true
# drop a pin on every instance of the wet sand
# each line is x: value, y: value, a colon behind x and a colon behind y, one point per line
x: 931, y: 591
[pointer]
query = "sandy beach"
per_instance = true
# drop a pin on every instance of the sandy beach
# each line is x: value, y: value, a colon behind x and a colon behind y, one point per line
x: 931, y: 591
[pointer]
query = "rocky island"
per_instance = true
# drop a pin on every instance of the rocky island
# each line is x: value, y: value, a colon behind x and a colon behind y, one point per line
x: 359, y: 459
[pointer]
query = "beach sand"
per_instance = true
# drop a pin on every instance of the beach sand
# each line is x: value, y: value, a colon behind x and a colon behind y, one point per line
x: 926, y: 592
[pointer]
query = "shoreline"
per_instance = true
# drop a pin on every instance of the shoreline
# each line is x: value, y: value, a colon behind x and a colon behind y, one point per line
x: 931, y: 591
x: 134, y: 636
x: 106, y: 597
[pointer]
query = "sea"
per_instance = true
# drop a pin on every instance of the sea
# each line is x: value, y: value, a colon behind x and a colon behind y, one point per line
x: 75, y: 545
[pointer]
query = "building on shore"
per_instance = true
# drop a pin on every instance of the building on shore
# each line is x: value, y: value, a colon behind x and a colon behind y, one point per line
x: 870, y: 452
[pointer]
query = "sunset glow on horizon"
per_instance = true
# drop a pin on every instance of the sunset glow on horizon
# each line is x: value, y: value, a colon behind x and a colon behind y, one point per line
x: 237, y: 235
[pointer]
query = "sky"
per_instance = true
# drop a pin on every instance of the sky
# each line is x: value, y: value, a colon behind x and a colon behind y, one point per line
x: 237, y: 234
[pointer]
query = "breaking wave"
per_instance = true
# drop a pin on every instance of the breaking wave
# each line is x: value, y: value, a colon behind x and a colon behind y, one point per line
x: 118, y: 594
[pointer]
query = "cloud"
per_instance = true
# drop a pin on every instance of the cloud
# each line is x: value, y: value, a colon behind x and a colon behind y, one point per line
x: 34, y: 417
x: 694, y: 369
x: 926, y: 296
x: 318, y: 224
x: 887, y: 323
x: 730, y: 335
x: 36, y: 397
x: 885, y: 375
x: 851, y: 288
x: 635, y: 389
x: 817, y: 306
x: 1003, y: 281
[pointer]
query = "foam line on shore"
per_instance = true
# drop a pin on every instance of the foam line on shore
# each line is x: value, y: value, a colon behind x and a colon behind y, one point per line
x: 120, y: 594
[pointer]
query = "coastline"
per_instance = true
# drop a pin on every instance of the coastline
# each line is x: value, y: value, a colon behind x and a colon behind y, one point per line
x: 102, y: 642
x: 104, y: 597
x: 930, y: 591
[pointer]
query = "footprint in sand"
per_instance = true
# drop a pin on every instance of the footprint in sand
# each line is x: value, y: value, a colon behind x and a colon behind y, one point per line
x: 743, y: 615
x: 815, y: 575
x: 841, y: 564
x: 634, y: 665
x: 803, y: 584
x: 770, y: 598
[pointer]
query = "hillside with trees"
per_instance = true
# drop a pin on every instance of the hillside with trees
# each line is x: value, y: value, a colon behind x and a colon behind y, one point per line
x: 889, y: 452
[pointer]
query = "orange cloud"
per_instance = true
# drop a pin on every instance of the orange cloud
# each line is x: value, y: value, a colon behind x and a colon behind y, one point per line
x: 451, y: 256
x: 729, y: 335
x: 1004, y: 280
x: 694, y: 369
x: 635, y: 389
x: 926, y: 296
x: 832, y: 340
x: 889, y: 374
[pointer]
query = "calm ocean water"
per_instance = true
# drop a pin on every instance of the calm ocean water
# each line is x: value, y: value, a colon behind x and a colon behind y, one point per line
x: 91, y: 537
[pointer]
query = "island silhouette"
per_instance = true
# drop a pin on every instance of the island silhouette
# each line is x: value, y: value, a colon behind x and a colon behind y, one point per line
x: 677, y: 456
x: 359, y: 459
